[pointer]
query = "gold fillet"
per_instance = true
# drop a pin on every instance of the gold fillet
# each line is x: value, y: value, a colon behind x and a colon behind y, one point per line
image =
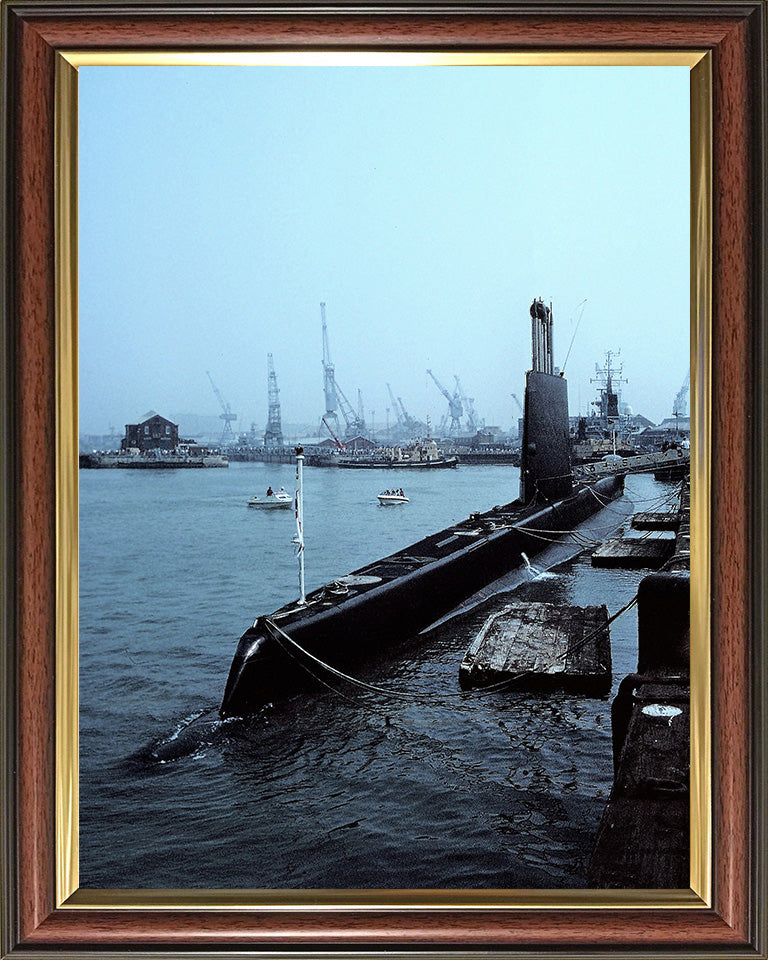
x: 701, y: 479
x: 66, y: 468
x: 373, y: 58
x: 68, y: 895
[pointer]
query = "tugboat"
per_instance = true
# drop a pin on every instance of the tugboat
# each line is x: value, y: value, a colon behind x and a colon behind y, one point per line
x: 399, y: 595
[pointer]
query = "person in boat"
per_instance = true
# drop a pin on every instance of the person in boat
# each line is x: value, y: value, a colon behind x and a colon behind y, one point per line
x: 282, y: 489
x: 401, y: 492
x: 270, y: 492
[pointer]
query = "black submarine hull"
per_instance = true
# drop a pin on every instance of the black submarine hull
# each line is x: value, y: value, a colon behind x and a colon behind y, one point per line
x: 396, y: 597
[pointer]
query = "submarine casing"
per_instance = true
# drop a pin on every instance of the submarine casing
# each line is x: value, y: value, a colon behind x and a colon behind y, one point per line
x: 265, y: 668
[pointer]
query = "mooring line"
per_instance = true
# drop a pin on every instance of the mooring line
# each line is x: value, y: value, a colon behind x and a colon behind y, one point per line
x: 464, y: 695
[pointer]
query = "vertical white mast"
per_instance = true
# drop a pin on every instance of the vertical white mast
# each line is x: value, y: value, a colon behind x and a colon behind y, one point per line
x: 299, y: 507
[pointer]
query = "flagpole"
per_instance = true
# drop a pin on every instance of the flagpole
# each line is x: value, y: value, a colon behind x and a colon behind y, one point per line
x: 299, y: 508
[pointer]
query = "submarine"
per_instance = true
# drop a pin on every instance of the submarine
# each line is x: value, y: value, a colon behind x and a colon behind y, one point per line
x: 394, y: 598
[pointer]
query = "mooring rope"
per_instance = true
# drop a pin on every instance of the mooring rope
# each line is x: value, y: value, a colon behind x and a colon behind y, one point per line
x: 279, y: 635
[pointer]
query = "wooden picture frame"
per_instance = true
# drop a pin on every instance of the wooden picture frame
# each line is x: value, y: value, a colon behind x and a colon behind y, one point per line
x: 732, y: 921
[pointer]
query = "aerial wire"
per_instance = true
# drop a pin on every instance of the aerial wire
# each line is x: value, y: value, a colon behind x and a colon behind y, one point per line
x: 575, y: 331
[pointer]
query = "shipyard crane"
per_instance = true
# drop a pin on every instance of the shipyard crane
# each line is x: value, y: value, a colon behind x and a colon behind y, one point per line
x: 339, y: 444
x: 680, y: 406
x: 329, y: 376
x: 227, y: 436
x: 412, y: 425
x: 473, y: 423
x: 522, y: 414
x: 273, y: 435
x: 360, y: 406
x: 406, y: 424
x: 398, y: 413
x: 455, y: 407
x: 355, y: 425
x: 334, y: 395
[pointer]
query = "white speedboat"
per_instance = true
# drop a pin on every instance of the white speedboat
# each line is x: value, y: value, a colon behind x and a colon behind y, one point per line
x: 275, y: 501
x: 387, y: 499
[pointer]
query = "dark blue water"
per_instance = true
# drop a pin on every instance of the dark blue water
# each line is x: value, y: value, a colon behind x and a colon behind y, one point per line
x: 354, y: 791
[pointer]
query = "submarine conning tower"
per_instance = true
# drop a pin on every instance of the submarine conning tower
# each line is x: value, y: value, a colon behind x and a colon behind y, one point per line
x: 545, y: 469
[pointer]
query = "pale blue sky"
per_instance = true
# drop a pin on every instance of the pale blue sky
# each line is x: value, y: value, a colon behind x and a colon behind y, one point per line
x: 426, y: 206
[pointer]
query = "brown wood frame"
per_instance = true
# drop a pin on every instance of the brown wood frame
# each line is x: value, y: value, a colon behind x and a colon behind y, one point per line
x: 735, y: 32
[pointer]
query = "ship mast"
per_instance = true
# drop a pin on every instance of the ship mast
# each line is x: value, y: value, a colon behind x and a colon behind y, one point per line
x: 541, y: 337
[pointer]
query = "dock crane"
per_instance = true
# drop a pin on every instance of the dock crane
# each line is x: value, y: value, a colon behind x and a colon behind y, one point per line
x: 360, y: 406
x: 329, y: 377
x: 355, y: 424
x: 473, y: 423
x: 339, y: 444
x: 273, y: 435
x: 398, y: 412
x: 455, y: 407
x: 406, y: 424
x: 412, y: 425
x: 334, y: 395
x: 227, y: 436
x: 522, y: 413
x: 680, y: 406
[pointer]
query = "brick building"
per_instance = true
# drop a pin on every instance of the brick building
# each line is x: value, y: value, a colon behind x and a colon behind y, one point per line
x: 153, y: 433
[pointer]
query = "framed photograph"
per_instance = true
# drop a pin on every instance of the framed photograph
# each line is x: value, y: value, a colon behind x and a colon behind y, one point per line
x: 245, y: 209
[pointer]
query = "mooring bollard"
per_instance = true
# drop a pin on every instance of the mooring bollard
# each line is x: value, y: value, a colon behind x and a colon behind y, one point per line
x: 664, y: 624
x: 663, y: 620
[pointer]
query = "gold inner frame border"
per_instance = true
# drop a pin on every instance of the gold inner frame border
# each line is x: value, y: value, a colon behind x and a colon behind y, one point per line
x: 68, y: 894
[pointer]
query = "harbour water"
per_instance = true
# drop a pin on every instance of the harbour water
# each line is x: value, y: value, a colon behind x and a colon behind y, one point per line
x: 346, y: 789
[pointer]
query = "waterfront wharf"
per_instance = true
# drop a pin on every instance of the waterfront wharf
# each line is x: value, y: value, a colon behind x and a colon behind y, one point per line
x: 656, y: 521
x: 643, y: 839
x: 481, y: 459
x: 278, y: 455
x: 653, y: 550
x: 634, y: 553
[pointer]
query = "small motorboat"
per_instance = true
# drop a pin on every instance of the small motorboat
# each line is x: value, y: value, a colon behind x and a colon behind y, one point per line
x: 273, y: 501
x: 392, y: 496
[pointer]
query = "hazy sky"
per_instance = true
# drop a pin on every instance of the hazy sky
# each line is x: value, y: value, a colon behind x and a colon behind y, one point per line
x: 427, y: 206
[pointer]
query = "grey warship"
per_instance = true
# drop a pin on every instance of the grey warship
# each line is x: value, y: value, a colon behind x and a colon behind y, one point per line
x: 396, y: 597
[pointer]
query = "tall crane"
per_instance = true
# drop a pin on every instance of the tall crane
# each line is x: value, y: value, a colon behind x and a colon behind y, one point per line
x: 522, y: 414
x: 329, y: 378
x: 334, y: 395
x: 360, y: 406
x: 473, y: 422
x: 339, y: 444
x: 680, y: 406
x: 455, y: 407
x: 398, y: 414
x: 273, y: 435
x: 412, y: 425
x: 355, y: 425
x: 227, y: 436
x: 406, y: 424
